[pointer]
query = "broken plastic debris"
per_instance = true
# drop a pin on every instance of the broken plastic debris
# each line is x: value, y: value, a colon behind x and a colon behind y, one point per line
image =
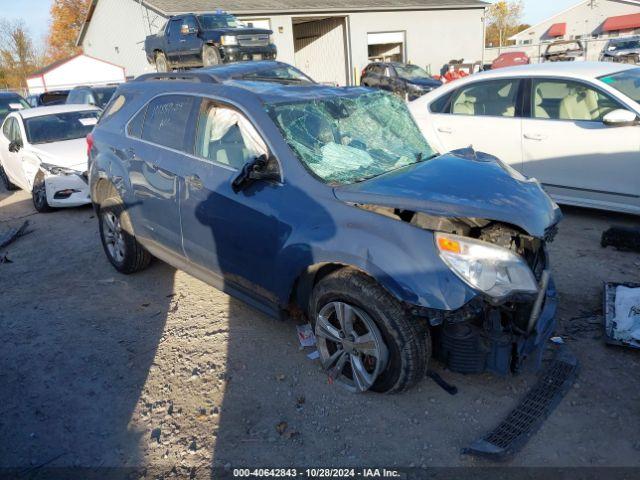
x: 305, y: 335
x: 557, y: 340
x: 314, y: 355
x: 627, y: 313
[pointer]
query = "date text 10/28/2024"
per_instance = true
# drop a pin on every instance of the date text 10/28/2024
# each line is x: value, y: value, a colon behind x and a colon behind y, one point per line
x: 315, y: 473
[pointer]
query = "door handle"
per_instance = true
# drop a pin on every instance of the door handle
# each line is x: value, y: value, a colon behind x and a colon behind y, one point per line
x: 195, y: 182
x: 445, y: 129
x: 535, y: 136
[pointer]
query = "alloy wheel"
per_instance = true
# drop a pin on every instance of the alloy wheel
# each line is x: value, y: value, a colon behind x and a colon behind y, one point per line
x: 351, y: 346
x: 113, y: 236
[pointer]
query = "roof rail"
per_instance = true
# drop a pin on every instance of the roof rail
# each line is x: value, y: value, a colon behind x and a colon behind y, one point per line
x: 179, y: 76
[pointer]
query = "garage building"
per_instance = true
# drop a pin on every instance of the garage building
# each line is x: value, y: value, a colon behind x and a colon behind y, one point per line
x: 330, y: 40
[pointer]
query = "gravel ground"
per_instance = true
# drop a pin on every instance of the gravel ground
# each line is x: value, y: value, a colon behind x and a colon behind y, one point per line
x: 159, y: 369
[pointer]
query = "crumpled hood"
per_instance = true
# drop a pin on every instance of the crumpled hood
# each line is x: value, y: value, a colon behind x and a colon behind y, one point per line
x: 69, y: 153
x: 462, y: 183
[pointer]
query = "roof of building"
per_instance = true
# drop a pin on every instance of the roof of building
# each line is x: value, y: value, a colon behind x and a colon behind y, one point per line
x: 266, y: 6
x: 55, y: 109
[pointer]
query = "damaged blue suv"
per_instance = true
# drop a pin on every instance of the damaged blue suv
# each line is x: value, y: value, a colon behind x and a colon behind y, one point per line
x: 329, y: 203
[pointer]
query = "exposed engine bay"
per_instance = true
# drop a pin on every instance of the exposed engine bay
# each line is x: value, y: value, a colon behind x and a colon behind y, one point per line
x: 489, y: 335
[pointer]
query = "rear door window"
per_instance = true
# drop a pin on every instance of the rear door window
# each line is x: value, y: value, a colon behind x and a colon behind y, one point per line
x: 495, y: 98
x: 166, y: 121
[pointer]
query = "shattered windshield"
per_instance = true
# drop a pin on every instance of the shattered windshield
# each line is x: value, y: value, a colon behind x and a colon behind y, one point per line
x: 351, y: 139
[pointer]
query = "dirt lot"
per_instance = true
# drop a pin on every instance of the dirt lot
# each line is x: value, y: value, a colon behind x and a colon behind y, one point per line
x: 100, y: 369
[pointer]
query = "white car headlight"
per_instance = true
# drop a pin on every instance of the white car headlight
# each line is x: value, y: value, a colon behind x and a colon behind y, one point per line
x: 489, y: 268
x: 229, y: 40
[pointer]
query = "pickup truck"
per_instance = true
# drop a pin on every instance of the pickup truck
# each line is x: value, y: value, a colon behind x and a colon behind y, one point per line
x: 202, y: 40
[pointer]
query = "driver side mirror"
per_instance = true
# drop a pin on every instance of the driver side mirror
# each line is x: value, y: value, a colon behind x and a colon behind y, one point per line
x: 620, y: 118
x: 15, y: 146
x: 261, y: 168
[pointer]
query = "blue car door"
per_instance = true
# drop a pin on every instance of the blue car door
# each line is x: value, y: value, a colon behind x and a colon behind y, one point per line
x: 156, y: 147
x: 191, y: 42
x: 174, y: 41
x: 235, y: 236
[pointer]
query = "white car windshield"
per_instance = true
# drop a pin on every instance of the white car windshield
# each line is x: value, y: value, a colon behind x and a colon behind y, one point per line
x: 627, y: 82
x: 59, y: 127
x: 344, y: 140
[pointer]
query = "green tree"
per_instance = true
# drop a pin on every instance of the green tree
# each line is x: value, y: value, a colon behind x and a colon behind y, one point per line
x: 503, y: 21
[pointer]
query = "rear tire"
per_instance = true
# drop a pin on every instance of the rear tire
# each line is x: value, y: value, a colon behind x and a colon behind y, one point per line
x: 122, y: 249
x: 162, y: 65
x: 39, y: 194
x: 408, y: 344
x: 5, y: 180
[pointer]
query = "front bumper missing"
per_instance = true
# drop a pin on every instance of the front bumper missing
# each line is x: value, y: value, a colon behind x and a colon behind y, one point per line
x: 482, y: 337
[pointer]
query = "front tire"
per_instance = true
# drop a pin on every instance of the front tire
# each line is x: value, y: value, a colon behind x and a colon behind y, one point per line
x: 5, y: 180
x: 162, y: 65
x: 39, y: 194
x: 210, y: 56
x: 122, y: 249
x: 366, y: 338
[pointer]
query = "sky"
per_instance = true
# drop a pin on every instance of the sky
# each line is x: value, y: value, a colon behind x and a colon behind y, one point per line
x: 36, y: 12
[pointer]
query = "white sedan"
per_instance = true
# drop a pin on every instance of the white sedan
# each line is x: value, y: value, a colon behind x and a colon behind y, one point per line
x: 572, y: 125
x: 44, y: 151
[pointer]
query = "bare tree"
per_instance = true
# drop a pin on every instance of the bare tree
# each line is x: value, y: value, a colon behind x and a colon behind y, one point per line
x: 17, y: 54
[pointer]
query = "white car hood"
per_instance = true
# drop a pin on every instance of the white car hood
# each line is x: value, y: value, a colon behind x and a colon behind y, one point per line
x: 69, y: 153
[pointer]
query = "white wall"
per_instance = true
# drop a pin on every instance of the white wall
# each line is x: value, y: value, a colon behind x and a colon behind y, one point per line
x: 581, y: 19
x: 81, y: 70
x: 117, y: 31
x: 433, y: 37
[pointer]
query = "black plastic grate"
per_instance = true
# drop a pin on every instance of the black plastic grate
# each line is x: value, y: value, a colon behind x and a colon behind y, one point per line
x: 523, y: 421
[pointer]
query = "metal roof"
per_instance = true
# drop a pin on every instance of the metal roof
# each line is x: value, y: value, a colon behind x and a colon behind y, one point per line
x: 291, y: 6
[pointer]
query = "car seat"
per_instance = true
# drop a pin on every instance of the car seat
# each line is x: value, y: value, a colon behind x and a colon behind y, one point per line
x: 500, y: 102
x: 465, y: 104
x: 580, y: 104
x: 539, y: 110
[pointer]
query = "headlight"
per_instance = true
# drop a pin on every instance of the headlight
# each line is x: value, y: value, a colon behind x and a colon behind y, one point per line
x: 493, y: 270
x: 229, y: 40
x: 56, y: 170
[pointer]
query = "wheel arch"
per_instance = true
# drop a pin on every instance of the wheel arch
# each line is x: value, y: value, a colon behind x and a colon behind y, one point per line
x: 304, y: 283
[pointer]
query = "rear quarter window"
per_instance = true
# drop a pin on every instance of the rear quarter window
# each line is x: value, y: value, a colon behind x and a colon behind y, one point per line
x: 166, y: 120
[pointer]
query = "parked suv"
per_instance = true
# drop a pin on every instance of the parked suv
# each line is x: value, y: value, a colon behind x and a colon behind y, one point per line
x: 408, y: 81
x: 98, y: 96
x: 329, y: 201
x: 191, y: 40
